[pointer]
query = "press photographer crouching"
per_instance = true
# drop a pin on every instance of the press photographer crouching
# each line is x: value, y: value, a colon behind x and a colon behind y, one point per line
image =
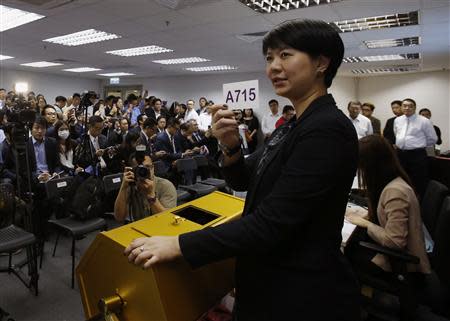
x: 142, y: 193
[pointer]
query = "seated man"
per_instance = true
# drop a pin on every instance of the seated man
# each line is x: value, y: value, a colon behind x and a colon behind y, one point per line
x: 89, y: 153
x: 166, y: 141
x: 42, y: 152
x: 144, y: 193
x: 147, y: 138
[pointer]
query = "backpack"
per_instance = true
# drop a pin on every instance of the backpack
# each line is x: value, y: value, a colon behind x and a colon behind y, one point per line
x: 87, y: 201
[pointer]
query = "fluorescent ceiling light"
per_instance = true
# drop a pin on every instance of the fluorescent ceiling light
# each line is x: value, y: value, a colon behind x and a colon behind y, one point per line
x: 388, y: 43
x: 2, y: 57
x: 82, y: 38
x: 12, y: 18
x: 189, y: 60
x: 211, y: 68
x: 379, y: 22
x: 116, y: 74
x: 381, y: 58
x: 272, y: 6
x: 82, y: 69
x: 405, y: 68
x: 139, y: 51
x: 41, y: 64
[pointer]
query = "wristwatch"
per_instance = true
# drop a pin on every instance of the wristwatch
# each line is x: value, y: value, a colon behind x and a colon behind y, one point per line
x: 151, y: 200
x: 230, y: 151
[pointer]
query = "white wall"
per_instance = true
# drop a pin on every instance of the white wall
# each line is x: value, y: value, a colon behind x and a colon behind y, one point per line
x: 428, y: 89
x: 47, y: 84
x: 210, y: 86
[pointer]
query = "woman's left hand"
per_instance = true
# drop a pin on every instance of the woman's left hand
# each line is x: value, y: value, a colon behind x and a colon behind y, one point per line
x: 147, y: 251
x: 356, y: 219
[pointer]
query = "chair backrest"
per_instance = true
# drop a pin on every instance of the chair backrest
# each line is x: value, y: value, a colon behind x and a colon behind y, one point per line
x: 187, y: 168
x: 58, y: 186
x: 7, y: 204
x: 201, y: 161
x: 112, y: 182
x: 441, y: 253
x: 160, y: 168
x: 202, y: 165
x: 431, y: 204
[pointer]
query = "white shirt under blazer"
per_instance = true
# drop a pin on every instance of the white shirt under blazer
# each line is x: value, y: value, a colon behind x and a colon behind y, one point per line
x: 414, y: 132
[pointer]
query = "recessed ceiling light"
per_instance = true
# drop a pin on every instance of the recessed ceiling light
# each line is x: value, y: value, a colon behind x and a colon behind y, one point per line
x: 379, y: 22
x: 388, y: 43
x: 139, y: 51
x: 212, y: 68
x: 116, y: 74
x: 82, y: 38
x: 272, y: 6
x: 41, y: 64
x: 381, y: 58
x: 82, y: 69
x: 405, y: 68
x: 176, y: 61
x: 12, y: 18
x: 2, y: 57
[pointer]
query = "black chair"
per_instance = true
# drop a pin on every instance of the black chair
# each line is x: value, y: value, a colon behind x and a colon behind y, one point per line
x: 187, y: 169
x: 13, y: 238
x: 399, y: 282
x: 203, y: 169
x: 76, y: 228
x: 431, y: 204
x: 111, y: 184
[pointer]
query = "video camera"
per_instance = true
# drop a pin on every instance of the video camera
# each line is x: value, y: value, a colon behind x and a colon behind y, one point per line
x: 21, y: 117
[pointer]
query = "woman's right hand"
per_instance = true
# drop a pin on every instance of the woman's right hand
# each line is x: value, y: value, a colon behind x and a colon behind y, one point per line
x: 224, y: 126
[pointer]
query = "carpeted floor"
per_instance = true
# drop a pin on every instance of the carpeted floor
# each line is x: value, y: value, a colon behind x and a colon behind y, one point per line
x: 56, y: 299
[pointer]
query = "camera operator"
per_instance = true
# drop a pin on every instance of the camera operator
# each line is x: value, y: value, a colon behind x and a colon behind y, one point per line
x: 142, y: 192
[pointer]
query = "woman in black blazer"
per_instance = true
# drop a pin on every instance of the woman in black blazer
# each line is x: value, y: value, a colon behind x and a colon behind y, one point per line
x: 287, y: 244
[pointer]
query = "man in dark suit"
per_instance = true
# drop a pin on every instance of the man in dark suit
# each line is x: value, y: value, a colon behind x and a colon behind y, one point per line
x: 388, y: 131
x: 147, y: 138
x: 43, y: 154
x: 156, y: 110
x: 166, y: 142
x: 43, y: 160
x: 90, y: 153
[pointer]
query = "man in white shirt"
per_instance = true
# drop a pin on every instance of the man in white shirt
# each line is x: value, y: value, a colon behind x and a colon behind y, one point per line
x: 205, y: 118
x: 269, y: 120
x: 190, y: 112
x: 413, y: 133
x: 362, y: 124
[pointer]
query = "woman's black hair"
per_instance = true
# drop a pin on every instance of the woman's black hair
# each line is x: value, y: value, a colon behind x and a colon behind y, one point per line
x: 314, y: 37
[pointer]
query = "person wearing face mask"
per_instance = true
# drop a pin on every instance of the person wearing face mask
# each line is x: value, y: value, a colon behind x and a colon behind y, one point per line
x: 65, y: 147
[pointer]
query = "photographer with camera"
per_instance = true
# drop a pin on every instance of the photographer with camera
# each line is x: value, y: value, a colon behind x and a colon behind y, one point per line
x: 142, y: 193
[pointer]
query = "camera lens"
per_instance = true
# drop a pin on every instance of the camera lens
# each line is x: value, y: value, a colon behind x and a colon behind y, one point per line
x: 141, y: 172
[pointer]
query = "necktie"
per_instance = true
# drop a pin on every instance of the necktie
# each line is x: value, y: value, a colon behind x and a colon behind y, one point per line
x: 173, y: 144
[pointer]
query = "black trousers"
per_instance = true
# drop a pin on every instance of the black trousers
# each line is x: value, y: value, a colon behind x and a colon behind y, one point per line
x: 415, y: 163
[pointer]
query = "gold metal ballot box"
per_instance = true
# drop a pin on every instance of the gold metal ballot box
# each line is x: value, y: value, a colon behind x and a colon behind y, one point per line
x: 113, y: 289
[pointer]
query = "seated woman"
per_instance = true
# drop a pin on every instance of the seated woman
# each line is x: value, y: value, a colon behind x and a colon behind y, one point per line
x: 66, y: 147
x: 394, y: 212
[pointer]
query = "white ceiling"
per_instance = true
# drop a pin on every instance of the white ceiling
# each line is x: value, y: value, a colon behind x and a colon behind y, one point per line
x: 207, y: 29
